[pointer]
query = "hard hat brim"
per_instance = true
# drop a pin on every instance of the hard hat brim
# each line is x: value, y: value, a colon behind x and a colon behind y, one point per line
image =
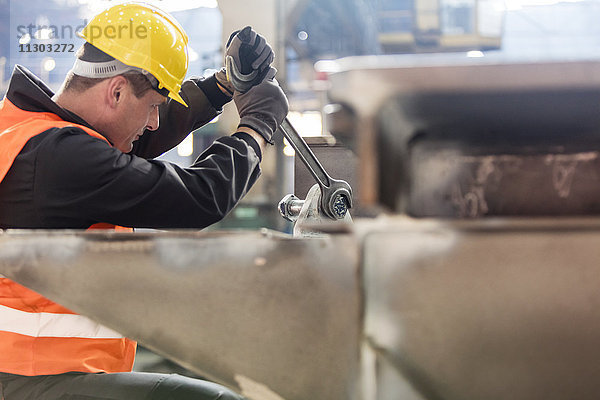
x: 177, y: 98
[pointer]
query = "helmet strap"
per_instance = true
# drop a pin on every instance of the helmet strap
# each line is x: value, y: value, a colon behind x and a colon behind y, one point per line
x: 108, y: 69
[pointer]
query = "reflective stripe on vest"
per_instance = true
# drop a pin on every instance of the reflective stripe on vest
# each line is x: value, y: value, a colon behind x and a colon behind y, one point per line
x: 46, y: 324
x: 38, y: 336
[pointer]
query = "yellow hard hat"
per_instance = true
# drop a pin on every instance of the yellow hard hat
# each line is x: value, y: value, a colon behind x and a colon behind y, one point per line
x: 143, y: 36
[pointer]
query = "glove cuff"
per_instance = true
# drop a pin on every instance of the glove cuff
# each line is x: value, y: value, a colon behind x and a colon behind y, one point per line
x: 258, y: 126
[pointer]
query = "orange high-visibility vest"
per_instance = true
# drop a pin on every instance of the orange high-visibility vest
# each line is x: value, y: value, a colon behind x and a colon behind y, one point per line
x: 38, y: 336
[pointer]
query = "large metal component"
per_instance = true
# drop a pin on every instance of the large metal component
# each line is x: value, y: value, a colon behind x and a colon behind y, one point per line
x: 256, y: 311
x: 453, y: 181
x: 481, y: 309
x: 402, y: 110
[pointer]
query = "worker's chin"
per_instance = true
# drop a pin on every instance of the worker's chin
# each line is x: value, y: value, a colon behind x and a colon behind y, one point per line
x: 125, y: 147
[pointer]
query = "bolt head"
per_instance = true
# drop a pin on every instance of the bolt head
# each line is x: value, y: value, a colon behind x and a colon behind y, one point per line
x: 340, y: 206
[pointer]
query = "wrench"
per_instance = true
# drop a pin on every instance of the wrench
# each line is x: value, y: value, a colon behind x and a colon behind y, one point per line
x: 336, y: 194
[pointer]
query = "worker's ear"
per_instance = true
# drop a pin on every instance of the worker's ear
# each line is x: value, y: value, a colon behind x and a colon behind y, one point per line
x: 116, y: 88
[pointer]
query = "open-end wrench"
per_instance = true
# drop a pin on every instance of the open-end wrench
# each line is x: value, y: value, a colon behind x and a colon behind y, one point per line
x: 336, y: 194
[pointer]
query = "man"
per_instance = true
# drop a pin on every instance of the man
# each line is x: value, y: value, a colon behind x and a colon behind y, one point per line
x: 81, y: 158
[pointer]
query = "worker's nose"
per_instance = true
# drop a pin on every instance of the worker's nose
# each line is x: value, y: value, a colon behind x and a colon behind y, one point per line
x: 153, y: 121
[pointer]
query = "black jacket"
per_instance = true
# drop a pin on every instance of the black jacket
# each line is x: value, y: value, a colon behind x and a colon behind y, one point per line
x: 65, y: 178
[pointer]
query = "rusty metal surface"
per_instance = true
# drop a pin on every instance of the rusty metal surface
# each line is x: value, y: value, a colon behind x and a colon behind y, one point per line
x: 453, y: 182
x: 257, y: 312
x: 494, y: 309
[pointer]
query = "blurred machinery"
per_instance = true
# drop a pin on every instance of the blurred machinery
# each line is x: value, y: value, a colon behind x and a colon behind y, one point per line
x: 324, y: 29
x: 417, y: 26
x: 451, y: 136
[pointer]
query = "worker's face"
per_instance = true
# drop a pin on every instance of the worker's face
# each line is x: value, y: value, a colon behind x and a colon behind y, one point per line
x: 133, y: 116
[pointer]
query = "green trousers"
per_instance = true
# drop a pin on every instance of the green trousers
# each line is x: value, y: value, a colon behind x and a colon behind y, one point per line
x: 119, y: 386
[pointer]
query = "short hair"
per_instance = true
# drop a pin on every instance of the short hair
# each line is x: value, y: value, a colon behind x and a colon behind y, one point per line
x: 140, y: 84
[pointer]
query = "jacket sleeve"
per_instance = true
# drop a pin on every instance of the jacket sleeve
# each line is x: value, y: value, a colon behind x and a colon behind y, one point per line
x: 81, y: 180
x: 205, y: 101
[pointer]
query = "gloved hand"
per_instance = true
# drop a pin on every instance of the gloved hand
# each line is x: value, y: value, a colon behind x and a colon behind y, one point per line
x: 248, y: 58
x: 262, y: 108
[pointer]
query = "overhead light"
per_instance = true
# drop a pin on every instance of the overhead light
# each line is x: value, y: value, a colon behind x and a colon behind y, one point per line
x: 48, y: 64
x: 44, y: 34
x: 302, y: 35
x: 327, y: 66
x: 25, y: 39
x: 475, y: 54
x: 519, y: 4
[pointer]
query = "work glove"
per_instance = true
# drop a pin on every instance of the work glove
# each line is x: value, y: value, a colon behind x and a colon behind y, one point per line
x: 262, y: 108
x: 248, y: 59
